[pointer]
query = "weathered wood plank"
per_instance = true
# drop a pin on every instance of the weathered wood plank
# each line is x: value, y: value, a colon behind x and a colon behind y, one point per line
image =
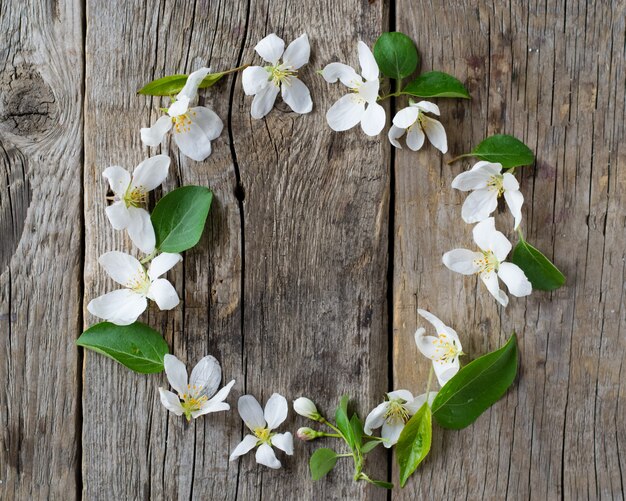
x: 551, y: 73
x: 41, y: 72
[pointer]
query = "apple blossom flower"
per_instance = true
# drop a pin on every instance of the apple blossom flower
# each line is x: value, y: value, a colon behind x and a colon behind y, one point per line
x: 306, y: 408
x: 194, y: 396
x: 488, y: 184
x: 444, y: 350
x: 394, y: 413
x: 307, y: 434
x: 130, y: 195
x: 262, y: 425
x: 359, y: 105
x: 193, y: 128
x: 414, y: 121
x: 123, y: 306
x: 264, y: 82
x: 489, y: 263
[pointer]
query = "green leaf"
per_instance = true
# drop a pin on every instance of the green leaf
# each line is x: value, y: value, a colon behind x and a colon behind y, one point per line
x: 357, y: 430
x: 322, y: 461
x: 173, y: 84
x: 137, y: 346
x: 436, y: 84
x: 383, y: 484
x: 414, y: 442
x: 179, y: 218
x: 503, y: 149
x: 543, y: 275
x: 370, y: 446
x: 396, y: 55
x: 476, y: 387
x: 341, y: 419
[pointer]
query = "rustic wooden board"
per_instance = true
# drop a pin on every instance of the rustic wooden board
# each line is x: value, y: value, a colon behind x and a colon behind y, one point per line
x: 551, y: 73
x: 41, y: 74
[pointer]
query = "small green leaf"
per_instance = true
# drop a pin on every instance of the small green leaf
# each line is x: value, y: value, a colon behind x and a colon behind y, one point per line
x: 543, y: 275
x: 370, y: 446
x: 322, y: 461
x: 357, y: 430
x: 414, y: 442
x: 436, y: 84
x: 383, y: 484
x: 137, y: 346
x: 503, y: 149
x: 396, y: 55
x: 341, y: 419
x: 173, y: 84
x: 179, y: 218
x: 476, y: 387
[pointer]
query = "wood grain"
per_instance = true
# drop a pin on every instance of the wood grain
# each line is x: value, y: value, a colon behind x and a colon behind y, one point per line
x: 41, y: 74
x: 550, y: 73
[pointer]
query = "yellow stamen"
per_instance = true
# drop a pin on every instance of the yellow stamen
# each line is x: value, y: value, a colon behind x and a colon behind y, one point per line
x: 396, y: 412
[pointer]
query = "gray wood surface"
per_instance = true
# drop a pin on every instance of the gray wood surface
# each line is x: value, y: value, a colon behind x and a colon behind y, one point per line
x: 319, y: 247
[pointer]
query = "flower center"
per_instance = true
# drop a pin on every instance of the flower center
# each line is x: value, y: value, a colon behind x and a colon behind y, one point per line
x: 140, y: 283
x: 183, y: 122
x: 447, y: 350
x: 192, y: 400
x: 281, y: 73
x: 488, y: 263
x: 496, y: 183
x: 263, y: 434
x: 137, y: 197
x: 396, y: 412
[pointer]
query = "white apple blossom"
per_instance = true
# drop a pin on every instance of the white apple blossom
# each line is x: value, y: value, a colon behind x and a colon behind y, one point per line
x: 488, y: 183
x: 394, y: 413
x: 123, y: 306
x: 359, y: 105
x: 414, y: 121
x: 194, y: 396
x: 489, y: 263
x: 305, y: 407
x: 444, y: 350
x: 262, y: 425
x: 264, y: 82
x: 193, y: 128
x: 130, y: 195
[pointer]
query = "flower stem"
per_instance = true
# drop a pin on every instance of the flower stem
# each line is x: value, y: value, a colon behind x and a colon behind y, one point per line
x: 233, y: 70
x: 149, y: 257
x: 430, y: 378
x: 387, y: 96
x: 323, y: 420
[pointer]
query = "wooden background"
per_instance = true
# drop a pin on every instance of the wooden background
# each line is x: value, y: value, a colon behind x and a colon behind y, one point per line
x: 318, y: 250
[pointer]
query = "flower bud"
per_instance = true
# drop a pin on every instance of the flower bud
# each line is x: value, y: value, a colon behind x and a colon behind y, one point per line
x: 306, y: 408
x: 307, y: 434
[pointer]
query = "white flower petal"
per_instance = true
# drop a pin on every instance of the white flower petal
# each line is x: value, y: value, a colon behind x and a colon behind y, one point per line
x: 345, y: 113
x: 446, y: 370
x: 373, y: 120
x: 118, y: 178
x: 152, y: 136
x: 162, y: 292
x: 193, y: 142
x: 489, y: 239
x: 375, y: 418
x: 171, y: 402
x: 515, y: 279
x: 247, y: 444
x: 270, y: 48
x: 297, y: 95
x: 427, y: 107
x: 488, y: 168
x: 473, y: 179
x: 394, y: 134
x: 150, y: 173
x: 251, y: 412
x: 118, y: 215
x: 339, y: 71
x: 264, y: 100
x: 253, y: 79
x: 276, y: 410
x: 405, y: 395
x: 439, y: 326
x: 426, y: 344
x: 491, y: 281
x: 176, y: 373
x: 221, y: 395
x: 265, y: 455
x: 179, y: 107
x: 369, y: 68
x: 207, y: 408
x: 121, y: 267
x: 297, y: 53
x: 515, y: 200
x: 415, y: 138
x: 436, y: 133
x: 420, y: 399
x: 284, y: 442
x: 162, y: 264
x: 122, y: 307
x: 205, y: 118
x: 509, y: 182
x: 462, y: 261
x: 391, y: 432
x: 479, y: 205
x: 190, y: 90
x: 140, y: 229
x: 206, y: 376
x: 406, y: 117
x: 369, y: 91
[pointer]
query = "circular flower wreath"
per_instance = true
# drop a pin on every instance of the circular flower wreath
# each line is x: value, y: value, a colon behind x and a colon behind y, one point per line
x: 177, y: 221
